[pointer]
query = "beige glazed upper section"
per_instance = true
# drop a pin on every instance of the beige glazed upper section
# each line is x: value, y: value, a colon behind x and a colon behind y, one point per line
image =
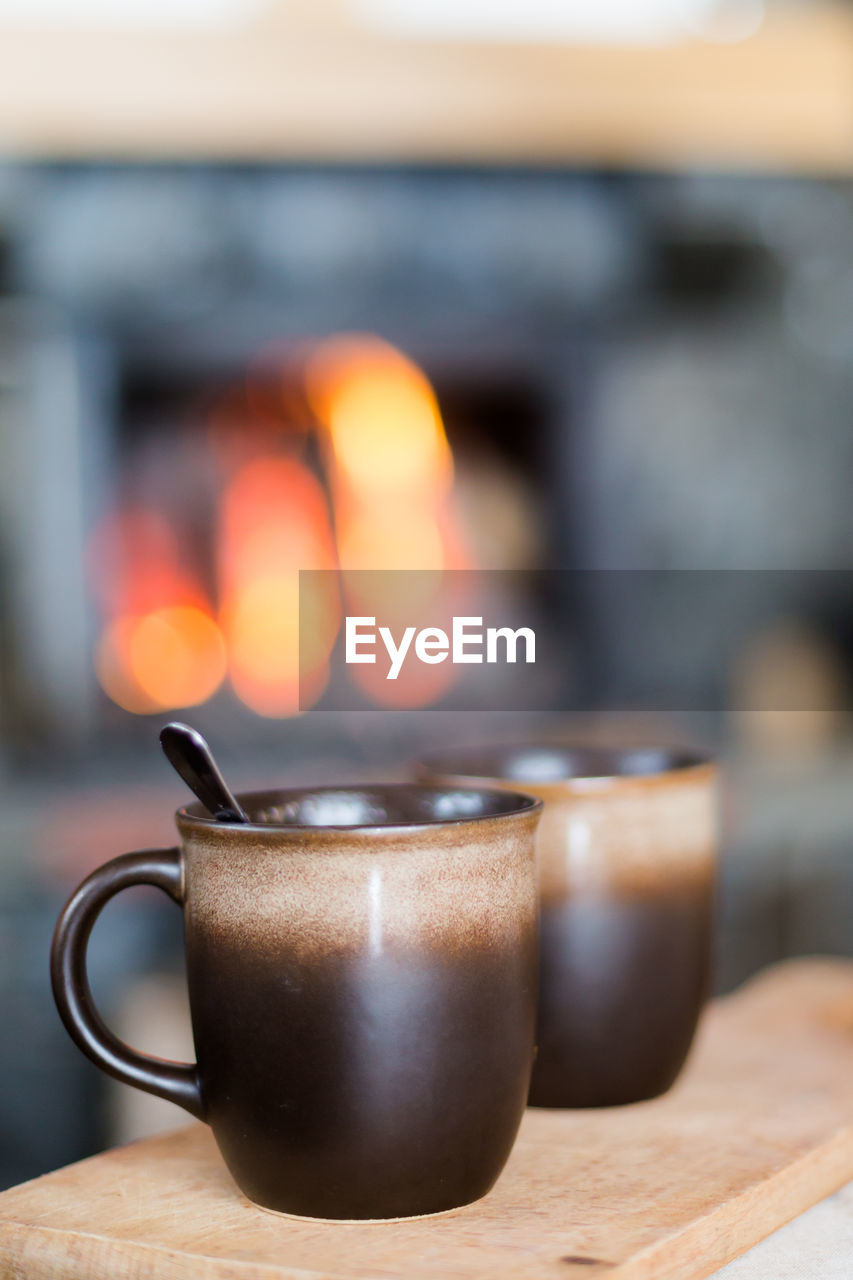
x: 636, y: 832
x: 309, y: 887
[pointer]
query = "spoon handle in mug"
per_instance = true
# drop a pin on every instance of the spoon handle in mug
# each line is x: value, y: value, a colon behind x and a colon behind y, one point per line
x: 176, y: 1081
x: 191, y: 757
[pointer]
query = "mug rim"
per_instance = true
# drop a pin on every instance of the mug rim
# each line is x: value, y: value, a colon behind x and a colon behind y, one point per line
x: 673, y: 763
x: 508, y: 804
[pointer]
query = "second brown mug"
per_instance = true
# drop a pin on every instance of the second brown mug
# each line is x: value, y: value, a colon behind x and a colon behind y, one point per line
x: 626, y: 863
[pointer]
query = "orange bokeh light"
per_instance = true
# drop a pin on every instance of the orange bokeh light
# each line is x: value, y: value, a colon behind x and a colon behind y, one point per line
x: 172, y: 657
x: 391, y: 472
x: 392, y: 537
x: 383, y: 420
x: 161, y: 647
x: 274, y: 521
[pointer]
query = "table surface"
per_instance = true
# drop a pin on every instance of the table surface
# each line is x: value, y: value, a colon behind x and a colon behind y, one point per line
x: 758, y: 1129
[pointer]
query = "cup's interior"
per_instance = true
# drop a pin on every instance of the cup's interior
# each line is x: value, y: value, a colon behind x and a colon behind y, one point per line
x: 386, y: 806
x: 542, y: 763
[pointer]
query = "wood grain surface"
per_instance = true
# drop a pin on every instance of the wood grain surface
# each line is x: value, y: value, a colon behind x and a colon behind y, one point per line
x: 759, y: 1128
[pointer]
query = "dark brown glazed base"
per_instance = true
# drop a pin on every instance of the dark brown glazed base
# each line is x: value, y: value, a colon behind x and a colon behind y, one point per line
x: 363, y: 1087
x: 622, y: 983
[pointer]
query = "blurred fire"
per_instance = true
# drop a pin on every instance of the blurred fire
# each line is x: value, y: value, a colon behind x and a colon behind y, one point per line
x: 391, y: 474
x: 389, y: 461
x: 273, y: 522
x: 161, y: 647
x: 172, y: 657
x: 381, y: 446
x: 383, y: 417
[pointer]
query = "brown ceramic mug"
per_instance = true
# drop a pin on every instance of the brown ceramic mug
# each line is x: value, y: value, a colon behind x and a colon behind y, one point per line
x: 626, y: 857
x: 362, y: 980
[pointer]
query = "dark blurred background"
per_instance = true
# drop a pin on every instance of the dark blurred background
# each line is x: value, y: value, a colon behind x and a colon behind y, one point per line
x: 389, y: 286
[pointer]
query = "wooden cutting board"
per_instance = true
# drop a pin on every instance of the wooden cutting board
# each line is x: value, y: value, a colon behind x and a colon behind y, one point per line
x: 759, y: 1128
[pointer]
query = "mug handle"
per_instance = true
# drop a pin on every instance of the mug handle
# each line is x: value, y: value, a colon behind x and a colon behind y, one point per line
x: 175, y: 1081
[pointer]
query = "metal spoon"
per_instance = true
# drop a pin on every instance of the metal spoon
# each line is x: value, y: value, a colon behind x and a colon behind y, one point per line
x: 189, y: 754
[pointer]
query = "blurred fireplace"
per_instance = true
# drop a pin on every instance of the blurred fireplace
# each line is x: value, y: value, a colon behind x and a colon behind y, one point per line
x: 175, y: 310
x: 319, y: 453
x: 171, y: 297
x: 600, y: 349
x: 172, y: 491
